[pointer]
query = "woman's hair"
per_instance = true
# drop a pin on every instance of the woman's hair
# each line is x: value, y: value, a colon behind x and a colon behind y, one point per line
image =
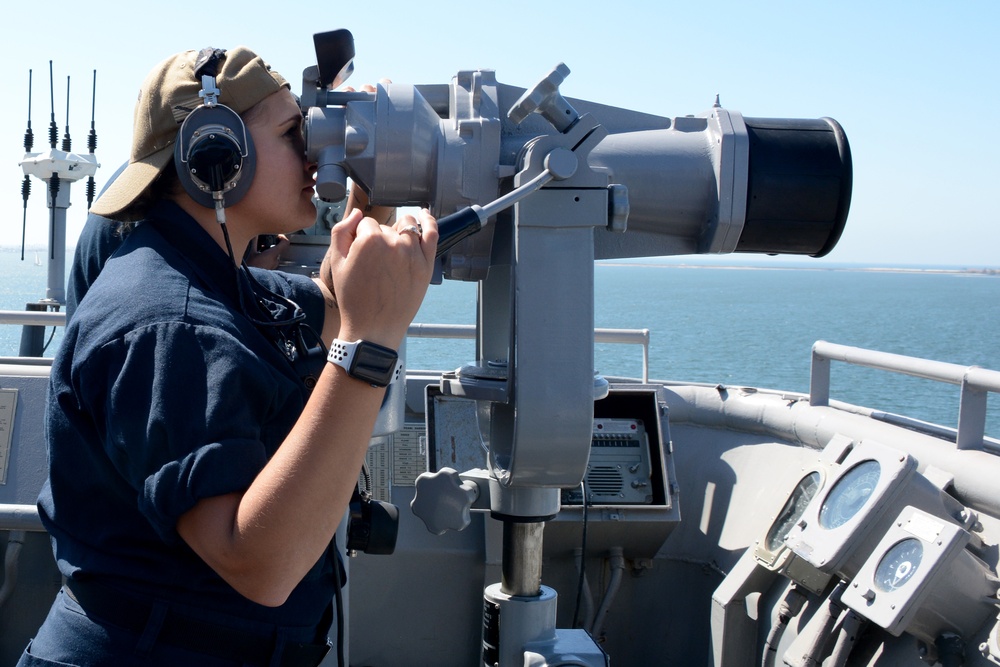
x: 166, y: 185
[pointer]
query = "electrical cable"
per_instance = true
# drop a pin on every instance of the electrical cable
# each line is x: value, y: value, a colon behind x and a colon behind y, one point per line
x: 850, y: 629
x: 951, y: 650
x: 790, y: 606
x: 49, y: 341
x: 367, y: 474
x: 821, y: 625
x: 583, y: 557
x: 617, y: 566
x: 287, y: 334
x: 339, y: 602
x: 12, y: 559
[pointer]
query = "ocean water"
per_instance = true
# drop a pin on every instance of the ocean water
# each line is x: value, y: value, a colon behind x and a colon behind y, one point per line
x: 747, y: 326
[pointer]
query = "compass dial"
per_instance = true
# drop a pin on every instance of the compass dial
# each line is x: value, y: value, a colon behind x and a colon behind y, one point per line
x: 849, y: 494
x: 898, y: 564
x: 792, y: 511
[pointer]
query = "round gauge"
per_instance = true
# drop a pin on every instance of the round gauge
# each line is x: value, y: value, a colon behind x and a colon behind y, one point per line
x: 898, y: 564
x: 792, y: 511
x: 849, y: 494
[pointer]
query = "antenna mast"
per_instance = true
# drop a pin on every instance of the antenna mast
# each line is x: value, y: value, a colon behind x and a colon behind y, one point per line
x: 59, y: 168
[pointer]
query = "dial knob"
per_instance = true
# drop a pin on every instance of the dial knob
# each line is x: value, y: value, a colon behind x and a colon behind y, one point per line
x: 443, y: 501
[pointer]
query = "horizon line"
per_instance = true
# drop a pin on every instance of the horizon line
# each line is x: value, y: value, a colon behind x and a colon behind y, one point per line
x: 721, y: 260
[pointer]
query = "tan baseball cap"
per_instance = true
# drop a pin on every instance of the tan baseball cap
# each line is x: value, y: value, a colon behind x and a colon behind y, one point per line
x: 168, y: 95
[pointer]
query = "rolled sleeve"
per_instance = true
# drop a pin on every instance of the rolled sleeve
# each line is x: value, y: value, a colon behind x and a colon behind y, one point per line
x: 191, y: 413
x: 214, y: 469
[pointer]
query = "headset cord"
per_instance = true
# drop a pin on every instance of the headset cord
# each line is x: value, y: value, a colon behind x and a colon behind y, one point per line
x: 338, y: 597
x: 292, y: 335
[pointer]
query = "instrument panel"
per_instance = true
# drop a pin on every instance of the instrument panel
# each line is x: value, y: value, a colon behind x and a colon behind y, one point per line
x: 840, y: 526
x: 921, y: 579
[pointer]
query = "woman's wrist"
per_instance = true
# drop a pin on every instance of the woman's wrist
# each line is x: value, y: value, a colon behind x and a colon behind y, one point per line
x: 326, y: 277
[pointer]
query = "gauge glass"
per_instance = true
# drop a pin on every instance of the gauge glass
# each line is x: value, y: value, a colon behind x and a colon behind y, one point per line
x: 792, y: 511
x: 898, y: 564
x: 849, y: 494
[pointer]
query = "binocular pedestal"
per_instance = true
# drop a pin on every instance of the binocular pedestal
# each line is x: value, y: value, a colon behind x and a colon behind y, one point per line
x: 535, y: 387
x: 519, y: 613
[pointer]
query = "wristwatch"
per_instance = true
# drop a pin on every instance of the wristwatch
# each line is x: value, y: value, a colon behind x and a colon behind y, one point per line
x: 375, y: 364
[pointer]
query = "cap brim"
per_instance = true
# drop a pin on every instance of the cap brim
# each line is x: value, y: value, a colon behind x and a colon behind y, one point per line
x: 123, y: 191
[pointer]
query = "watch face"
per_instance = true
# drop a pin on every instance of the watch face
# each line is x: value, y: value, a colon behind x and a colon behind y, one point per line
x: 374, y: 363
x: 849, y: 494
x: 898, y: 564
x: 792, y: 511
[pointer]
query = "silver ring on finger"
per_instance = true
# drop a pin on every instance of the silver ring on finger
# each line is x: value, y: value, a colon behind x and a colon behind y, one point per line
x: 412, y: 229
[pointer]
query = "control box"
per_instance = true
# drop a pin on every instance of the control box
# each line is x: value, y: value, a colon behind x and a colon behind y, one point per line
x: 618, y: 472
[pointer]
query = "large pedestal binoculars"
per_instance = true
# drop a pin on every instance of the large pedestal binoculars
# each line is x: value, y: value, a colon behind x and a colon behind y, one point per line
x: 715, y: 182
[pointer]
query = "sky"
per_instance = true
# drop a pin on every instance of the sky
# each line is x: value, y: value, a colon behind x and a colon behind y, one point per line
x: 914, y: 84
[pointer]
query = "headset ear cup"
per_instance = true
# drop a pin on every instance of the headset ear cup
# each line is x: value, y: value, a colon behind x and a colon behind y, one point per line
x: 215, y: 153
x: 246, y: 175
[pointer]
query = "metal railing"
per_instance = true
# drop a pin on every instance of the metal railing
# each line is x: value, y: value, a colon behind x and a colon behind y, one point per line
x: 975, y: 382
x: 25, y: 517
x: 20, y: 517
x: 622, y: 336
x: 33, y: 318
x: 416, y: 330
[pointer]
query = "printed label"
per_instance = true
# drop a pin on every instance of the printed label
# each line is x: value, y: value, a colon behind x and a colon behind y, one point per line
x: 924, y: 527
x: 8, y: 403
x: 491, y: 633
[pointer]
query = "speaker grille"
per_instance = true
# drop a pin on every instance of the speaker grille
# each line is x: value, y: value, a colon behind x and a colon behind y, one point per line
x: 604, y: 481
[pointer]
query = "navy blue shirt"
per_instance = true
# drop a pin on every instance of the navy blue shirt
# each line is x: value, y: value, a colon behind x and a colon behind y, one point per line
x: 98, y: 241
x: 164, y: 393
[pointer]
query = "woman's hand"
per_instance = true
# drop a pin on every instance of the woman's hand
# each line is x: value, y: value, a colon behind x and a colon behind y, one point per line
x: 380, y: 274
x: 269, y: 258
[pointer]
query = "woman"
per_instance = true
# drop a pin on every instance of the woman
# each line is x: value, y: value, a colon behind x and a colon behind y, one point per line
x: 201, y: 452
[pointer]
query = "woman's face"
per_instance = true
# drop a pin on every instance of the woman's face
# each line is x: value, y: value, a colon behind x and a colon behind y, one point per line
x: 280, y: 198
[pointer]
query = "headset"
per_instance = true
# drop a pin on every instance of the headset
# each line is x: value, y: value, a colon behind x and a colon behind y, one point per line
x: 214, y: 154
x: 215, y: 161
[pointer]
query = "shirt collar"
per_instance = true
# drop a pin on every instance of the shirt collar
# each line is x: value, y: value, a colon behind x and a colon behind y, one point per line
x: 208, y: 260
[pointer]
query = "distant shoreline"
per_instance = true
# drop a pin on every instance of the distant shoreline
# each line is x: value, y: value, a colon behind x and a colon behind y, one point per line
x: 751, y: 265
x: 986, y: 271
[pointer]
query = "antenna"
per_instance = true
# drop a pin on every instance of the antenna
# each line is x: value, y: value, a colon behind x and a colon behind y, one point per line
x: 92, y: 142
x: 53, y: 128
x: 67, y: 143
x: 54, y: 179
x: 29, y: 141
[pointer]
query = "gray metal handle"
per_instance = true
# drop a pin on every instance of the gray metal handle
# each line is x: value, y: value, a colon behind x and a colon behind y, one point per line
x: 443, y: 501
